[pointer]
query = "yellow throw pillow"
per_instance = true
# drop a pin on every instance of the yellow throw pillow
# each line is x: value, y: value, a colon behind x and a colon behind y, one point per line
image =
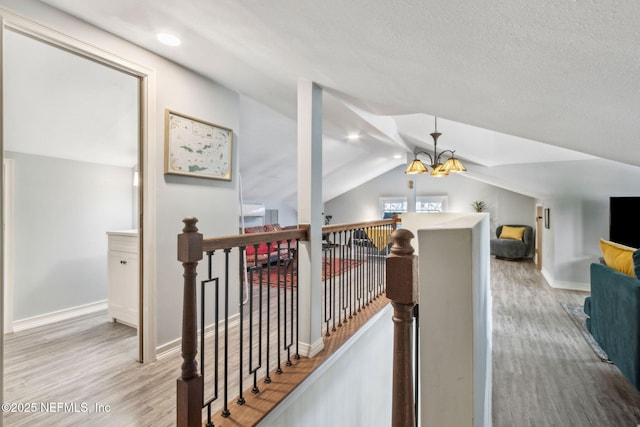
x: 617, y: 256
x: 512, y: 232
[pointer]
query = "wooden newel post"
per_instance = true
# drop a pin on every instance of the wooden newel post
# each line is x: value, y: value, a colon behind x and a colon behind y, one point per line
x: 402, y: 290
x: 189, y: 387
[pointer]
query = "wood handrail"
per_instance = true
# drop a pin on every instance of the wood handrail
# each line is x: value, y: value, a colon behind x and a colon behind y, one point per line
x: 357, y: 225
x: 300, y: 233
x: 243, y: 240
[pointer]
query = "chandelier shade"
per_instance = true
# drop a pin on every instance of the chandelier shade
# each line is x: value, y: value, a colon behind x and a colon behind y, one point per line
x: 438, y: 169
x: 454, y: 165
x: 416, y: 166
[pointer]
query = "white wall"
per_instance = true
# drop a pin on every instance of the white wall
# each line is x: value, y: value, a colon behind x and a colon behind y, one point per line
x: 361, y: 203
x: 344, y: 393
x: 455, y: 318
x: 578, y: 201
x: 571, y: 242
x: 215, y: 203
x: 569, y: 245
x: 62, y: 209
x: 287, y: 212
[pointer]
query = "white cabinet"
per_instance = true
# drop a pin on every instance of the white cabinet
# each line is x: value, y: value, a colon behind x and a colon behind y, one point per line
x: 123, y: 277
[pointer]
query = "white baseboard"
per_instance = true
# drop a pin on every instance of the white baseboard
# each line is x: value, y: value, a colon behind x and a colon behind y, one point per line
x: 168, y: 349
x: 570, y: 286
x: 174, y: 346
x: 310, y: 350
x: 57, y: 316
x: 547, y: 276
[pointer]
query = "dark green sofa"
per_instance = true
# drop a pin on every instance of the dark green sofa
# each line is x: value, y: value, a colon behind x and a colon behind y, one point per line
x: 613, y: 318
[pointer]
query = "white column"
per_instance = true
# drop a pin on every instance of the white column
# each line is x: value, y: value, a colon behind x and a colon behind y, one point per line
x: 455, y: 367
x: 411, y: 187
x: 310, y: 212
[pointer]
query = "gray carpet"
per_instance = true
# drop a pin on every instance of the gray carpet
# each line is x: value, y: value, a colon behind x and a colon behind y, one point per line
x: 576, y: 313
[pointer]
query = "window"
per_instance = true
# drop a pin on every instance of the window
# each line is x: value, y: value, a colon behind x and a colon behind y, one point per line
x: 391, y: 205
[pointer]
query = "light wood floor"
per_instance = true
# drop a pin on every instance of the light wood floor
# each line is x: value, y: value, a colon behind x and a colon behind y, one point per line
x: 544, y: 372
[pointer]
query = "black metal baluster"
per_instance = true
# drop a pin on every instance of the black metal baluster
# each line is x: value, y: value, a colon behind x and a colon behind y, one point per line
x: 203, y: 300
x: 371, y: 257
x: 285, y: 347
x: 376, y: 268
x: 372, y: 270
x: 376, y: 264
x: 284, y: 320
x: 325, y: 283
x: 248, y: 270
x: 361, y: 276
x: 361, y: 272
x: 334, y: 279
x: 383, y: 269
x: 225, y: 409
x: 267, y: 378
x: 356, y: 283
x: 202, y: 320
x: 383, y: 252
x: 280, y: 280
x: 352, y: 256
x: 294, y: 285
x: 292, y: 312
x: 342, y: 280
x: 254, y: 370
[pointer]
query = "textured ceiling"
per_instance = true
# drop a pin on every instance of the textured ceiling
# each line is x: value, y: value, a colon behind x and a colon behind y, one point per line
x: 501, y: 75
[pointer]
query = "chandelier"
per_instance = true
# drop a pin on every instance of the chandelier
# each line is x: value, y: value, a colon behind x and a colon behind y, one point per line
x: 438, y: 169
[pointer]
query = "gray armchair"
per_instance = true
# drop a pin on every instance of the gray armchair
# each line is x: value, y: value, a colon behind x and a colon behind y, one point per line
x: 512, y: 248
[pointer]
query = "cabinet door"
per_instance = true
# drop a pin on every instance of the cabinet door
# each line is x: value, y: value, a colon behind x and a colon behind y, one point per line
x: 123, y: 287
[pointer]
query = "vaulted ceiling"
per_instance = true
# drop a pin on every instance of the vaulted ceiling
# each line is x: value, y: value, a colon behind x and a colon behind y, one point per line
x: 520, y: 85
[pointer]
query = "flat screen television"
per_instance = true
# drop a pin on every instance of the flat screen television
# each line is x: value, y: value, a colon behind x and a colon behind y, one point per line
x: 624, y: 220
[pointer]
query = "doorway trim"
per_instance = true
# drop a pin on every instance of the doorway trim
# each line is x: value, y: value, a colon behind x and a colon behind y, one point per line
x: 7, y: 246
x: 538, y: 252
x: 147, y: 172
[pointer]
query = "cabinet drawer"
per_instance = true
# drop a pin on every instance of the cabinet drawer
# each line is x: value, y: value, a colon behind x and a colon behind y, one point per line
x: 123, y: 244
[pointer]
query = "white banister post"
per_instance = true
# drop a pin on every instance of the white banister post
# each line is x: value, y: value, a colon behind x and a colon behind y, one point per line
x: 310, y: 209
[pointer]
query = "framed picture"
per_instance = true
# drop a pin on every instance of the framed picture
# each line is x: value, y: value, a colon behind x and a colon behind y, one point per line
x: 197, y: 148
x: 547, y: 223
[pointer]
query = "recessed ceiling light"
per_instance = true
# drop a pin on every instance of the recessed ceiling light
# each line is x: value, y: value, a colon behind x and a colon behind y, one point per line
x: 168, y: 39
x: 353, y: 136
x: 397, y: 156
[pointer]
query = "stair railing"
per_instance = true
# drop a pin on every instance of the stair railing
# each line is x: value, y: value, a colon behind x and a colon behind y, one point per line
x: 345, y: 294
x: 252, y: 342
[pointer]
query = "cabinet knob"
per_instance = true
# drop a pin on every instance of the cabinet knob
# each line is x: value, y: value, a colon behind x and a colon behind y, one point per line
x: 123, y: 262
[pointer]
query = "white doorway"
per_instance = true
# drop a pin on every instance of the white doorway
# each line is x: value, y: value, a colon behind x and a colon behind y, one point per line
x: 147, y: 166
x: 538, y: 251
x: 72, y: 130
x: 145, y: 84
